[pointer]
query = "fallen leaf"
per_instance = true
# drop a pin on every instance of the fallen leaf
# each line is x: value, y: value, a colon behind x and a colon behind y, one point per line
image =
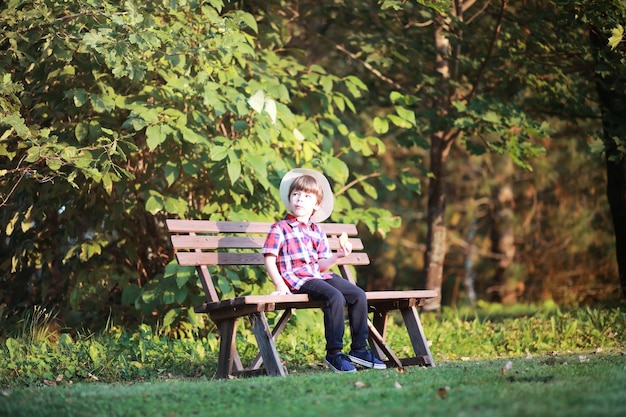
x: 359, y: 384
x: 401, y: 370
x: 443, y: 392
x: 507, y: 367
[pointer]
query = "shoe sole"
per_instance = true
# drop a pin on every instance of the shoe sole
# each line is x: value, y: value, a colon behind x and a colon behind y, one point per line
x: 337, y: 371
x: 367, y: 364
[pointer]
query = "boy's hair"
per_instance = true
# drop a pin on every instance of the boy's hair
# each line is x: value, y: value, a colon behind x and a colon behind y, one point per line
x: 308, y: 184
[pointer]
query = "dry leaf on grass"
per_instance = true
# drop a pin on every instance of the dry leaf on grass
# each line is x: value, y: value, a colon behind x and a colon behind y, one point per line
x: 443, y: 392
x: 507, y: 367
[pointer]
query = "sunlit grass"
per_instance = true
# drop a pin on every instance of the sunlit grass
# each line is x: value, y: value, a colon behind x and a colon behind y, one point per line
x: 542, y: 386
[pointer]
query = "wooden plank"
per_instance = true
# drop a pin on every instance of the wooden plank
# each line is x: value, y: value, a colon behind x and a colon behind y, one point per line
x: 379, y: 340
x: 266, y: 345
x: 397, y: 295
x: 209, y: 226
x: 228, y: 350
x: 276, y: 331
x: 225, y: 309
x: 206, y: 242
x: 249, y: 258
x: 379, y: 320
x: 416, y: 334
x: 207, y: 283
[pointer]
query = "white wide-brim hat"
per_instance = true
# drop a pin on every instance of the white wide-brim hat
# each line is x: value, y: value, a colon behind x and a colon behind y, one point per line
x: 328, y: 201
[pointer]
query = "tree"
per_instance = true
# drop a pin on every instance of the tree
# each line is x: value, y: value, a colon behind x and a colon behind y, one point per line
x: 610, y: 80
x: 454, y: 98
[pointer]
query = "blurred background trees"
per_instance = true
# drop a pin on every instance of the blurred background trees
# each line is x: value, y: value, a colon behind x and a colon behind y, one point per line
x: 467, y: 139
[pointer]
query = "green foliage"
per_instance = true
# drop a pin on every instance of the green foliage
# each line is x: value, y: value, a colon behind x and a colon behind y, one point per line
x: 119, y: 114
x: 115, y: 115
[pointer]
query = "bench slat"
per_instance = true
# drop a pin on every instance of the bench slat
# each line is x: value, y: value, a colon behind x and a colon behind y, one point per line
x: 186, y: 242
x: 398, y: 295
x: 210, y: 226
x: 280, y: 302
x: 249, y: 258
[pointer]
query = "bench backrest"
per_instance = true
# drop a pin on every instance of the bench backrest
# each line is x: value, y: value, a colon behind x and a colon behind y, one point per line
x: 203, y: 243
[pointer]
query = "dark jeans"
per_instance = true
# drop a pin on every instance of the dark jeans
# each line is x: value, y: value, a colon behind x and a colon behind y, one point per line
x: 338, y: 292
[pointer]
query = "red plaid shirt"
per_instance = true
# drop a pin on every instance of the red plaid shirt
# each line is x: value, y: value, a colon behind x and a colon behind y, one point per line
x: 297, y: 247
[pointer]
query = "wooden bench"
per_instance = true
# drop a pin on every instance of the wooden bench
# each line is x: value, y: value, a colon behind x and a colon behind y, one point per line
x: 204, y: 243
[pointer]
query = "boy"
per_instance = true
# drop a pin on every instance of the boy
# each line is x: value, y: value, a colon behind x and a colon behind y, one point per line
x: 297, y: 257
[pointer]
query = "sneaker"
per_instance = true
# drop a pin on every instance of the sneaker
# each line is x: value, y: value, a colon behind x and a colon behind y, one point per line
x: 339, y: 363
x: 365, y: 357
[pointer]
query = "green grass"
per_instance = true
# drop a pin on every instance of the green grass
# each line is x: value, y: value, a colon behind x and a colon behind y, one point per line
x: 563, y: 363
x: 570, y: 385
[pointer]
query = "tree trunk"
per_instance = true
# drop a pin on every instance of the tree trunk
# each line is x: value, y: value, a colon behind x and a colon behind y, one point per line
x: 612, y: 98
x: 436, y: 249
x: 616, y: 193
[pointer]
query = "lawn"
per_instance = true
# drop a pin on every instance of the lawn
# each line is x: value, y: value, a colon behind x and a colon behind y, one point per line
x: 590, y: 384
x: 537, y: 362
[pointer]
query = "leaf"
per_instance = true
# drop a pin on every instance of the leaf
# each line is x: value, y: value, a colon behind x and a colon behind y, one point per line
x: 381, y: 126
x: 154, y: 204
x: 171, y: 172
x: 170, y: 317
x: 257, y: 101
x: 250, y: 21
x: 154, y: 136
x: 398, y: 121
x: 298, y: 135
x: 130, y: 294
x: 270, y: 108
x: 233, y: 167
x: 616, y: 36
x: 218, y: 153
x: 406, y: 114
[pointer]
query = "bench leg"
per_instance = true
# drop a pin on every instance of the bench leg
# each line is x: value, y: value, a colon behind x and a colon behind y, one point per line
x: 377, y: 342
x: 266, y: 344
x: 276, y: 331
x: 380, y: 323
x: 228, y: 351
x: 416, y: 334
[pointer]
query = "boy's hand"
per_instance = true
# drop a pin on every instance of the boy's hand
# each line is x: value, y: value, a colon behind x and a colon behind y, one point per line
x: 281, y: 291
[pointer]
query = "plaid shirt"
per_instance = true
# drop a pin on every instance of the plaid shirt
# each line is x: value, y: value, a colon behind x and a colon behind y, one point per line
x: 297, y: 247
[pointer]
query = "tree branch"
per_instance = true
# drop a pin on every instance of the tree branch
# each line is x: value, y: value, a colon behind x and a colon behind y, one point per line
x: 494, y: 38
x: 368, y: 66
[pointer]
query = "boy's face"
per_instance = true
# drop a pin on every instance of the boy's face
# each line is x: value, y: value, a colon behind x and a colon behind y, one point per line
x: 303, y: 204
